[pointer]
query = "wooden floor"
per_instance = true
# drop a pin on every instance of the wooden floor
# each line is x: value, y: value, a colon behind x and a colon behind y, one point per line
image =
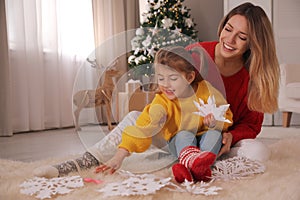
x: 61, y: 142
x: 39, y: 145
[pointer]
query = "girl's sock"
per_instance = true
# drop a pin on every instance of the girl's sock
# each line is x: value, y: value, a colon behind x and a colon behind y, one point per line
x: 197, y: 162
x: 87, y: 161
x: 181, y: 173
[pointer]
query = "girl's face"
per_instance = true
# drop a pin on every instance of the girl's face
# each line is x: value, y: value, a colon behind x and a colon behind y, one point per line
x: 174, y: 84
x: 234, y: 37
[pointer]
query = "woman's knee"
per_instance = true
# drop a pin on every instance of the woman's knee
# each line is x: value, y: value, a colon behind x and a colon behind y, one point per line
x: 252, y: 149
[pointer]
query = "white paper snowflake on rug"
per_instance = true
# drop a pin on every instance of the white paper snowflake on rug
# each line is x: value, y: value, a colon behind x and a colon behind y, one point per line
x: 135, y: 185
x: 146, y: 184
x: 236, y: 168
x: 195, y: 188
x: 43, y: 188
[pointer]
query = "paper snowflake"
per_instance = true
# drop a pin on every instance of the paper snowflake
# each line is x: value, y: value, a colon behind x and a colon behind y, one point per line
x: 196, y: 188
x: 135, y: 185
x: 43, y: 188
x: 210, y: 107
x: 146, y: 184
x: 236, y: 168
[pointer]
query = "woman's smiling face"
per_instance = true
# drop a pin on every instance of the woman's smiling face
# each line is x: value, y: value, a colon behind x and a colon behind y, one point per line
x: 234, y: 37
x: 172, y: 83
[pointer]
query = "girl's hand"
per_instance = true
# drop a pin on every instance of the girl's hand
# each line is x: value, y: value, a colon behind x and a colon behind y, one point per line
x: 115, y: 163
x: 226, y: 141
x: 209, y: 120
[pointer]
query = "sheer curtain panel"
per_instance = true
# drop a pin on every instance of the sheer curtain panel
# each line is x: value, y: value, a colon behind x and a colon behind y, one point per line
x: 48, y: 40
x: 114, y: 22
x: 5, y: 106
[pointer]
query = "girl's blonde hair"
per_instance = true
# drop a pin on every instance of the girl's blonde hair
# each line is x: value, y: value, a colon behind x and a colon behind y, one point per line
x: 178, y: 58
x: 260, y: 59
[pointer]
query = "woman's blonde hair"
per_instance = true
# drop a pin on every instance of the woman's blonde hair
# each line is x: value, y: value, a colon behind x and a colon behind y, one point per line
x: 260, y: 58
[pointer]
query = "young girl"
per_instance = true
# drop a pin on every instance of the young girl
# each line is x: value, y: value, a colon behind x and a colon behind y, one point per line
x: 195, y: 140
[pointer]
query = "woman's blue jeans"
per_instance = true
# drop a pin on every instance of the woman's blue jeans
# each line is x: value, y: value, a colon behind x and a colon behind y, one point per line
x: 209, y: 141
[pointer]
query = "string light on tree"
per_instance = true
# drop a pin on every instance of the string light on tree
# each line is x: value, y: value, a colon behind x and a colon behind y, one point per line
x: 165, y: 22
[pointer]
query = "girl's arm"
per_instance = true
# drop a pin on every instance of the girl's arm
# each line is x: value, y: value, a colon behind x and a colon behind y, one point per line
x: 114, y: 163
x: 136, y: 138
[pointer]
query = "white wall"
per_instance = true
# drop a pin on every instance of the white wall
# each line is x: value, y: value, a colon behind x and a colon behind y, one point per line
x: 286, y: 16
x: 207, y: 15
x: 287, y: 30
x: 265, y: 4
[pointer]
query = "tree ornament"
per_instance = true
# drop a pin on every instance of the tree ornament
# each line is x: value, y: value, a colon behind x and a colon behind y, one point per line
x: 163, y: 23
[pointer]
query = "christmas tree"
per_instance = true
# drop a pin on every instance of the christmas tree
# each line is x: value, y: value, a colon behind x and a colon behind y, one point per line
x: 165, y: 22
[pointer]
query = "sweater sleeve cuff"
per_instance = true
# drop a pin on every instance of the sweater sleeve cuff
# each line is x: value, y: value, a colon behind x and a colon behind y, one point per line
x: 134, y: 144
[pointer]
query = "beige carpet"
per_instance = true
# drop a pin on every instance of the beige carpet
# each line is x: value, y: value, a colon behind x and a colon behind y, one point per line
x: 281, y: 179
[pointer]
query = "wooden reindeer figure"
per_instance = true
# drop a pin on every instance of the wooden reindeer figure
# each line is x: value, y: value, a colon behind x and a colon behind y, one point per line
x: 96, y: 98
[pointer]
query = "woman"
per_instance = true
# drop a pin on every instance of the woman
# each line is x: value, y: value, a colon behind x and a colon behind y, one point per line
x: 246, y: 58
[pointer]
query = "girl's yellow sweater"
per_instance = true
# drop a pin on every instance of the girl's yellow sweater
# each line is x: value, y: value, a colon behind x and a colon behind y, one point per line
x: 167, y: 117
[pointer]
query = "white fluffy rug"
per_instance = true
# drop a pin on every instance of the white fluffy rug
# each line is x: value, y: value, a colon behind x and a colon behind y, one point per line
x: 281, y: 179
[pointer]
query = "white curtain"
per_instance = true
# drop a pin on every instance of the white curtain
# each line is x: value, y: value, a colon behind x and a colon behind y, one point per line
x: 113, y: 17
x: 48, y: 40
x: 114, y: 24
x: 44, y: 52
x: 5, y: 100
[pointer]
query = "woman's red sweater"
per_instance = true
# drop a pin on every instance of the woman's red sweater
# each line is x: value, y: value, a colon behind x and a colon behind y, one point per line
x: 246, y: 123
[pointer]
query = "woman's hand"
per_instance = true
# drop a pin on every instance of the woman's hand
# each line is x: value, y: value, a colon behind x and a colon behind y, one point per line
x: 115, y: 163
x: 209, y: 120
x: 226, y: 141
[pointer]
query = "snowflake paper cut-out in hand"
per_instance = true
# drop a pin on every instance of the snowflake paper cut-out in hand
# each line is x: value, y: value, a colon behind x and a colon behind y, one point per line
x: 44, y: 188
x: 236, y: 168
x: 210, y: 107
